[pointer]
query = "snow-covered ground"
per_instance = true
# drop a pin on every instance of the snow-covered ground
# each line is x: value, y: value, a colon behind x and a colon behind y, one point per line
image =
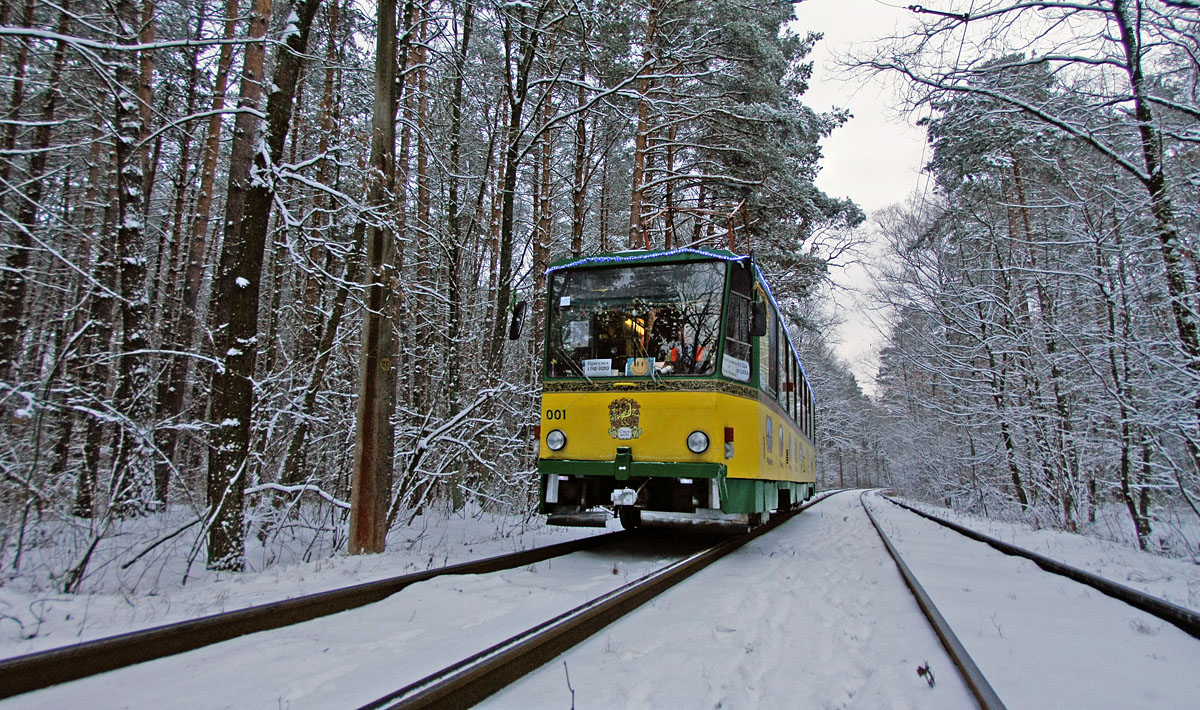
x: 1175, y: 579
x: 1041, y: 639
x: 813, y: 614
x: 33, y: 617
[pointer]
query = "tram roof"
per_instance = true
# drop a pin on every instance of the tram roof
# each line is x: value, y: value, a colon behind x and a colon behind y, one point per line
x: 643, y: 256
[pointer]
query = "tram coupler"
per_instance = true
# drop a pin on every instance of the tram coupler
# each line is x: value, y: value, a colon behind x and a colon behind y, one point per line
x: 624, y: 496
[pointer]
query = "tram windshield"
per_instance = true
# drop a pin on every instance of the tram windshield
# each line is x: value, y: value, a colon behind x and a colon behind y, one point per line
x: 636, y: 321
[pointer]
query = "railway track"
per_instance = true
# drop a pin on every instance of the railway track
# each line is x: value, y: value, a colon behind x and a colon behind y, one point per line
x: 23, y: 674
x: 475, y: 678
x: 974, y: 678
x: 1183, y: 618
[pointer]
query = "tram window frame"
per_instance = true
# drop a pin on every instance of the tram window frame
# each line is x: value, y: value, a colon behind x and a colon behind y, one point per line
x: 781, y: 365
x: 792, y: 394
x: 791, y: 384
x: 808, y: 407
x: 737, y: 330
x: 808, y: 419
x: 802, y: 404
x: 773, y: 345
x: 812, y: 421
x: 805, y: 408
x: 809, y: 416
x: 800, y: 399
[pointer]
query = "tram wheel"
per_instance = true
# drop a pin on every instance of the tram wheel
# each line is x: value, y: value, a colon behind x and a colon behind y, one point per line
x: 631, y: 517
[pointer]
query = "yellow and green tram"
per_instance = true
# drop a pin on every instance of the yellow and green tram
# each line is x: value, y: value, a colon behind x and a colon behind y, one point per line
x: 672, y: 393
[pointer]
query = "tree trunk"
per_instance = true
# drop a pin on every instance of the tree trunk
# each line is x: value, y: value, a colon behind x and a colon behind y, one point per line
x: 1174, y: 254
x: 13, y: 278
x: 374, y: 434
x: 133, y: 471
x: 94, y: 380
x: 541, y: 246
x: 517, y: 90
x: 329, y: 129
x: 171, y: 395
x: 421, y: 315
x: 638, y: 236
x: 241, y: 287
x: 454, y: 253
x: 579, y: 183
x: 145, y: 92
x: 166, y: 435
x: 234, y: 319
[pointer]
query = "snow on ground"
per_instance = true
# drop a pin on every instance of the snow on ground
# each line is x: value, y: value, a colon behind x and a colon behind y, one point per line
x: 352, y: 658
x: 33, y: 617
x: 813, y: 614
x: 1176, y: 580
x: 1041, y: 639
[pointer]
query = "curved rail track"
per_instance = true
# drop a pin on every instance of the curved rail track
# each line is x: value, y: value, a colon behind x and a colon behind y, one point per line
x: 475, y: 678
x: 60, y: 665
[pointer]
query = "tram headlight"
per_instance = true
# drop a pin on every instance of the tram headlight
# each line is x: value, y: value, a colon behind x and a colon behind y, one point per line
x: 697, y: 442
x: 556, y: 440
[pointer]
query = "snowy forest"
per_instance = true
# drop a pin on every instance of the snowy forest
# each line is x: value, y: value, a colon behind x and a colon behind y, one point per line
x: 260, y: 261
x: 1043, y: 346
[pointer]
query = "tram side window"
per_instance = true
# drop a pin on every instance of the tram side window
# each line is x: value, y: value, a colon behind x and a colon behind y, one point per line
x: 812, y: 425
x: 805, y: 408
x: 792, y: 379
x: 785, y: 372
x: 773, y: 332
x: 735, y: 363
x: 763, y: 363
x: 808, y: 413
x: 801, y: 390
x: 809, y: 420
x: 812, y: 422
x: 781, y: 364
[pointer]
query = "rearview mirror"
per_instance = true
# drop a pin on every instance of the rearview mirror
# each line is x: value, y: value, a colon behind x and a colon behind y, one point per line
x: 518, y: 320
x: 758, y: 324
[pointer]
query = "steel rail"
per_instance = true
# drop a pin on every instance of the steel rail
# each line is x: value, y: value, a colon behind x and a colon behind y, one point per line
x: 60, y: 665
x: 978, y: 684
x: 1182, y: 617
x: 473, y: 679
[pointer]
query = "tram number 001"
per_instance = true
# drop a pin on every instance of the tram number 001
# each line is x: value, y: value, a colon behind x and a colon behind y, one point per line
x: 556, y: 414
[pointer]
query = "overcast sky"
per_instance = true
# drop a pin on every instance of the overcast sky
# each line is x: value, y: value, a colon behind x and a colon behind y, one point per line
x: 875, y: 158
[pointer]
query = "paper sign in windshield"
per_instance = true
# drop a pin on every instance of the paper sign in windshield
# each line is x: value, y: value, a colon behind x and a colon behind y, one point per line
x: 578, y: 334
x: 735, y: 369
x: 598, y: 367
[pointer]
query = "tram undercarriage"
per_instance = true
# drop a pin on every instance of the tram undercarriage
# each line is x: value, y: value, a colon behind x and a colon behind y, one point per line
x: 591, y: 501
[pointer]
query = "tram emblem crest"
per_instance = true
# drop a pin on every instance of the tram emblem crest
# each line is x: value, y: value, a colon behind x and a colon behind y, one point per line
x: 624, y: 418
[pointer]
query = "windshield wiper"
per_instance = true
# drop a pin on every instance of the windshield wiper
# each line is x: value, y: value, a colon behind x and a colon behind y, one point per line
x: 562, y: 352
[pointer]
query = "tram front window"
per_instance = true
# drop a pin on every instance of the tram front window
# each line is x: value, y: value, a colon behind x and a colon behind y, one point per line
x: 653, y: 320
